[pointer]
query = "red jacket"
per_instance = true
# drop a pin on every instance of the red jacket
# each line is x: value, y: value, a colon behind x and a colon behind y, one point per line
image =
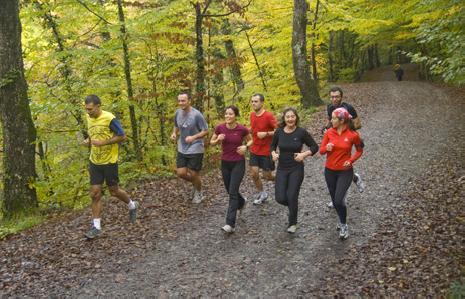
x: 342, y: 148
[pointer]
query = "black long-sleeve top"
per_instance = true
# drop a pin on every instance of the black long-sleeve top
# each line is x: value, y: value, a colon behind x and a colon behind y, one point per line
x: 291, y: 143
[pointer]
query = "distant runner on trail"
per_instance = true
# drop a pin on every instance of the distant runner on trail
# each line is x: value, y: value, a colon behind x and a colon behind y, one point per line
x: 286, y: 148
x: 399, y: 72
x: 231, y: 136
x: 337, y: 146
x: 263, y: 125
x: 336, y: 95
x: 105, y: 132
x: 192, y: 127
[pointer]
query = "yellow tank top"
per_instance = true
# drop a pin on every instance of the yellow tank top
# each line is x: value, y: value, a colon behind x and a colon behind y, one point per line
x: 99, y: 129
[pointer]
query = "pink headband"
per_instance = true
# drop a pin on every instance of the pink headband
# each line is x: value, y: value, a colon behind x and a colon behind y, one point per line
x: 342, y: 113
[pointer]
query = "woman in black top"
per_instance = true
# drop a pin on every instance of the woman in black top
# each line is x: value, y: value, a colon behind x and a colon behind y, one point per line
x: 286, y: 147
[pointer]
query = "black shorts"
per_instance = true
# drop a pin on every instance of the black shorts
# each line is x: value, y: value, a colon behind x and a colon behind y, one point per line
x: 101, y: 173
x: 191, y: 161
x: 263, y: 162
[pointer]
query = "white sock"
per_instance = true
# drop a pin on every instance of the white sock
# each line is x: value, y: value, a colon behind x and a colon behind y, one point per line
x: 131, y: 205
x: 96, y: 223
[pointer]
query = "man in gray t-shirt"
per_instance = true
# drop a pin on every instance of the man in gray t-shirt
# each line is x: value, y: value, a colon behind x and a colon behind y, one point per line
x: 190, y: 124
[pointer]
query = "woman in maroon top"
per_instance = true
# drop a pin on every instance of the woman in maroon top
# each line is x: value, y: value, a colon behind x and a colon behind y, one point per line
x: 232, y: 135
x: 337, y: 145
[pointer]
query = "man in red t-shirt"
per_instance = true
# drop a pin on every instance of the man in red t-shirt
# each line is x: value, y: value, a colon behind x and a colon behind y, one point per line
x: 263, y: 124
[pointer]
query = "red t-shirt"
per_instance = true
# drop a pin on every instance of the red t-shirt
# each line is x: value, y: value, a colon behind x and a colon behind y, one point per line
x: 342, y: 148
x: 266, y: 122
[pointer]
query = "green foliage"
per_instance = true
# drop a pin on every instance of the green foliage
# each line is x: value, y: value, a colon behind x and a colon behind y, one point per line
x: 11, y: 227
x: 456, y: 291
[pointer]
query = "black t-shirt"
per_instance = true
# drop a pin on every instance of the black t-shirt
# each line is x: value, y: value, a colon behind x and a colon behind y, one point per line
x: 348, y: 107
x: 291, y: 143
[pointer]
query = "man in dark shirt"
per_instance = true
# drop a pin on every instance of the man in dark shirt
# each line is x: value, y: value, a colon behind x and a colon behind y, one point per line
x: 336, y: 94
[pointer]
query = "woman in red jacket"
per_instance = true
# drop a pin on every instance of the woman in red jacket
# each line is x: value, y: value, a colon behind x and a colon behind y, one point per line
x: 337, y: 145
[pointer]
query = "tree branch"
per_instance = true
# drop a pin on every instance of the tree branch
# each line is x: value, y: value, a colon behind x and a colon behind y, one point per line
x: 93, y: 12
x: 228, y: 13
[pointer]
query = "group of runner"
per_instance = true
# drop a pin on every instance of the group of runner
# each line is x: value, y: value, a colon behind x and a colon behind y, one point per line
x: 266, y: 141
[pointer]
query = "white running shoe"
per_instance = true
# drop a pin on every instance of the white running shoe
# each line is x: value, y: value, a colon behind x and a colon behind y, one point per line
x: 198, y: 197
x: 344, y: 232
x: 292, y: 229
x: 261, y: 198
x: 330, y: 204
x: 228, y: 229
x: 360, y: 184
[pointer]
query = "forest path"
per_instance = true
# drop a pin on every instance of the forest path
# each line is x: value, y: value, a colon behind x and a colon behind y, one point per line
x: 178, y: 250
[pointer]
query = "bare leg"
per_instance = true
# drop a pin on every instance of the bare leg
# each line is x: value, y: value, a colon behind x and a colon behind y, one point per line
x: 195, y: 179
x: 119, y: 193
x: 268, y: 175
x: 254, y: 172
x: 184, y: 174
x: 96, y: 195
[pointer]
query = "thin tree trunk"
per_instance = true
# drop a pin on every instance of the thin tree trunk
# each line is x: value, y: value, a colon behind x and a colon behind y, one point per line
x: 127, y: 73
x: 19, y: 133
x: 234, y: 67
x: 260, y: 71
x: 218, y: 81
x: 313, y: 51
x: 199, y: 55
x: 331, y: 77
x: 307, y: 86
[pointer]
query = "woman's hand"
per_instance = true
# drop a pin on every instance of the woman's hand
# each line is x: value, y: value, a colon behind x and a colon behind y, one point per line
x: 262, y: 135
x: 329, y: 147
x: 275, y: 156
x: 347, y: 164
x: 241, y: 150
x: 221, y: 137
x: 299, y: 157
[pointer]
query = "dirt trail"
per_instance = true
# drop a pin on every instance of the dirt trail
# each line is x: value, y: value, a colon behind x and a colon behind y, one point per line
x: 406, y: 126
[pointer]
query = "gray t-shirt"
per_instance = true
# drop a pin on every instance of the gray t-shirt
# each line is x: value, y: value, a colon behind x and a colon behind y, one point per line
x: 190, y: 124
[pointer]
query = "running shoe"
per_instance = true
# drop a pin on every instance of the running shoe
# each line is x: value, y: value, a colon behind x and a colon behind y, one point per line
x: 228, y: 229
x: 292, y: 229
x: 261, y: 198
x: 198, y: 197
x: 358, y: 181
x: 133, y: 213
x: 344, y: 232
x: 338, y: 226
x: 330, y: 204
x: 93, y: 233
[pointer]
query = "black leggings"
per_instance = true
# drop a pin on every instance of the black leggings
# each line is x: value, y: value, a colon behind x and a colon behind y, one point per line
x: 287, y: 188
x: 338, y: 182
x: 233, y: 172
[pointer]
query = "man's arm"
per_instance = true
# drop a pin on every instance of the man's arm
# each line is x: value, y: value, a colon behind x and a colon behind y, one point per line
x: 357, y: 123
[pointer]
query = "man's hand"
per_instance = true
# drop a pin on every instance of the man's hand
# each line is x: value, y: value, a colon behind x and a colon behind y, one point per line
x: 98, y: 142
x: 190, y: 139
x: 85, y: 142
x: 173, y: 136
x: 262, y: 135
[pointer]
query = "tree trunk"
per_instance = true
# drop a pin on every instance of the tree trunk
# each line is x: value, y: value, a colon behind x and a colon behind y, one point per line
x: 199, y: 55
x: 233, y: 60
x: 260, y: 71
x: 19, y: 133
x: 331, y: 77
x: 127, y: 73
x: 218, y: 81
x: 313, y: 51
x: 307, y: 86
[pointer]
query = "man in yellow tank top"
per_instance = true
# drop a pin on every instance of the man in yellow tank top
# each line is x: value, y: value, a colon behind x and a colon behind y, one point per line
x: 105, y: 132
